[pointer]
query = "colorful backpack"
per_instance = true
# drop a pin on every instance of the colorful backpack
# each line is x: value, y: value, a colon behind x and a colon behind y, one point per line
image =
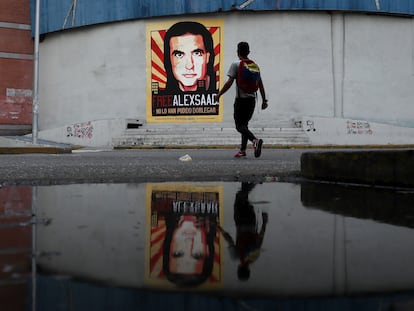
x: 248, y: 76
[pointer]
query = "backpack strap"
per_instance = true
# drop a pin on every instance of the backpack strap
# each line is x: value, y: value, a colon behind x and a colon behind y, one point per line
x: 237, y: 78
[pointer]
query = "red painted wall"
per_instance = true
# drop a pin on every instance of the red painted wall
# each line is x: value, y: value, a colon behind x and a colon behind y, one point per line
x: 15, y: 11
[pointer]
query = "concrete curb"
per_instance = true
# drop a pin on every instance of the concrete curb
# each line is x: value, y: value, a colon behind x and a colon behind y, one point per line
x: 393, y: 168
x: 24, y: 144
x: 267, y: 146
x: 25, y: 150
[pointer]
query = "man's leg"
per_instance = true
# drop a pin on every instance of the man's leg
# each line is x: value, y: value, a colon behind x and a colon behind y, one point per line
x: 243, y: 112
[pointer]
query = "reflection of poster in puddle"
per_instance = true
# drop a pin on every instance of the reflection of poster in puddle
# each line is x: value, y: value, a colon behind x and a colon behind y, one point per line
x: 183, y: 244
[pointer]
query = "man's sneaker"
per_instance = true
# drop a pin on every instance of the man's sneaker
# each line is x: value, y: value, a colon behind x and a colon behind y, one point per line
x: 257, y: 145
x: 240, y: 154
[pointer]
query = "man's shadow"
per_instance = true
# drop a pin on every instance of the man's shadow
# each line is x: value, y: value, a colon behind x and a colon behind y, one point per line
x: 249, y: 239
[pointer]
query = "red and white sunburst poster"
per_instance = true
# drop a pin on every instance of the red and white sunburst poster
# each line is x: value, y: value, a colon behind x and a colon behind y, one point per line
x: 183, y: 244
x: 184, y: 66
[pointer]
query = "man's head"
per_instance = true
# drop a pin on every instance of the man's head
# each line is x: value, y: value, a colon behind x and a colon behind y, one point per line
x: 188, y: 56
x: 243, y: 272
x: 243, y: 49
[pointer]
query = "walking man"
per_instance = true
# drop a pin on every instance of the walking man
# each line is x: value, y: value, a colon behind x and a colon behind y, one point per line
x: 245, y: 100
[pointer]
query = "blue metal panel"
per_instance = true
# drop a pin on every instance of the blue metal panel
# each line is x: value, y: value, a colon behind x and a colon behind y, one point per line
x: 57, y: 15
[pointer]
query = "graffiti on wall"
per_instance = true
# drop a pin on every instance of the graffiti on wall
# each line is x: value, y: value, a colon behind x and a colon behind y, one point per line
x: 310, y: 126
x: 358, y: 128
x: 80, y: 130
x: 353, y: 127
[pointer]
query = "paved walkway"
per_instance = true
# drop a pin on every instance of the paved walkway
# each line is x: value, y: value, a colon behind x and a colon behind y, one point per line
x: 143, y: 165
x: 50, y: 163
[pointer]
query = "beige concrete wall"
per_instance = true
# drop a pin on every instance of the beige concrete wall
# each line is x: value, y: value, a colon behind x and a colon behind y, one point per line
x: 313, y: 64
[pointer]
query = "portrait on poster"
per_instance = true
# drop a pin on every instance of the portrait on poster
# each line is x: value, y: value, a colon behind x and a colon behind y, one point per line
x: 183, y: 243
x: 183, y: 71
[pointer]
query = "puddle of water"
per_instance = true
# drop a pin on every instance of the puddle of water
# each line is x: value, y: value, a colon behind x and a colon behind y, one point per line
x: 211, y: 245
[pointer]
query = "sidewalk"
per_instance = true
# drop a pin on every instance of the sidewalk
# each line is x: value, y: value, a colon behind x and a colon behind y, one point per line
x: 390, y: 166
x: 24, y: 144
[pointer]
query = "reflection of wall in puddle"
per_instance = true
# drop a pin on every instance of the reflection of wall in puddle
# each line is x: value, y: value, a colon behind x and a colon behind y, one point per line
x: 15, y: 243
x: 100, y: 232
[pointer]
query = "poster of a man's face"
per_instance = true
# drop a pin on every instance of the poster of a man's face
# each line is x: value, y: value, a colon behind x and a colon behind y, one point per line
x: 189, y: 60
x: 185, y: 65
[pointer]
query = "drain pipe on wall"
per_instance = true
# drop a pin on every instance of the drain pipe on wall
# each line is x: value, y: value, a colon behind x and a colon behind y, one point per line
x: 35, y: 106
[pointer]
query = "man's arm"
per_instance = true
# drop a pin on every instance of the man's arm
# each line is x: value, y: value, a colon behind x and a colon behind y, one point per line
x: 225, y: 88
x: 263, y: 94
x: 265, y: 218
x: 226, y: 236
x: 229, y: 240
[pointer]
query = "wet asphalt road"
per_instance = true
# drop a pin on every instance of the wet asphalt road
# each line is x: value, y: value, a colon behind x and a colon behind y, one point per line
x: 147, y: 165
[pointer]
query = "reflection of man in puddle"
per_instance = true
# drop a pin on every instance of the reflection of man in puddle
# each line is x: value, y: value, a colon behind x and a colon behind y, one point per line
x: 189, y: 249
x: 248, y: 240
